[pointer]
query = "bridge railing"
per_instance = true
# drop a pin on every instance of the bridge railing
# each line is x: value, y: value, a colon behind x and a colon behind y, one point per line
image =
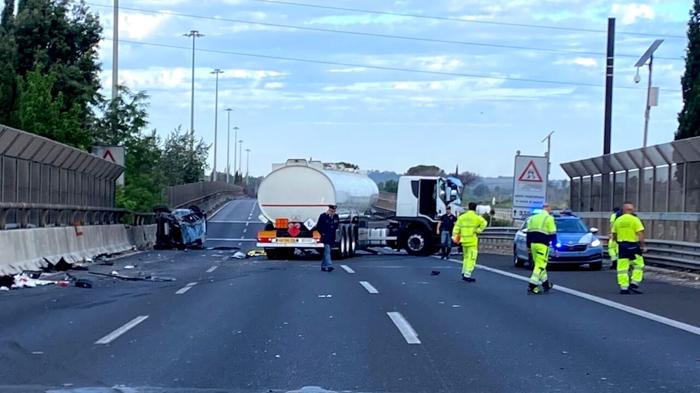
x: 208, y: 196
x: 677, y: 254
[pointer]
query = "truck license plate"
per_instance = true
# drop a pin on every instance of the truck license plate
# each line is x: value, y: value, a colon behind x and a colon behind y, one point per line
x: 285, y: 240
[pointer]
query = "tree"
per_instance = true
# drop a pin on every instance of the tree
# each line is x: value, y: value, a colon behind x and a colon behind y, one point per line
x: 144, y: 182
x: 8, y: 63
x: 391, y: 186
x: 425, y: 170
x: 482, y: 190
x: 689, y: 117
x: 122, y: 118
x: 40, y: 112
x: 61, y: 36
x: 468, y: 178
x: 179, y: 162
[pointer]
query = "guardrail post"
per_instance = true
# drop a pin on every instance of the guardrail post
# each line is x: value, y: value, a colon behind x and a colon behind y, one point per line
x: 23, y: 218
x: 3, y: 217
x: 43, y: 217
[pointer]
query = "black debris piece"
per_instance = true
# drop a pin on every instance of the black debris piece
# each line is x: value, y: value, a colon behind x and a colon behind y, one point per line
x: 434, y: 273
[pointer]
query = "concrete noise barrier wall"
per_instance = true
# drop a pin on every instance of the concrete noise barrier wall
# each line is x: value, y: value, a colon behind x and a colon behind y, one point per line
x: 35, y: 248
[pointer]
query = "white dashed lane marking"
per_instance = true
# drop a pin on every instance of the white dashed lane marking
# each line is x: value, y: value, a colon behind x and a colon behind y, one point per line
x: 123, y: 329
x: 185, y: 288
x: 211, y: 269
x: 347, y: 269
x: 369, y: 287
x: 404, y: 327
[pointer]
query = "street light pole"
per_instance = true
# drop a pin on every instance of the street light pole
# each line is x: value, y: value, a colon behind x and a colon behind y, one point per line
x: 548, y: 138
x: 648, y: 55
x: 194, y: 34
x: 228, y: 143
x: 240, y: 156
x: 115, y: 51
x: 235, y: 154
x: 247, y: 165
x: 216, y: 73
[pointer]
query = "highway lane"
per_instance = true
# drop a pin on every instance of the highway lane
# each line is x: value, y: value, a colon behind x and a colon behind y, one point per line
x: 253, y: 325
x: 234, y: 225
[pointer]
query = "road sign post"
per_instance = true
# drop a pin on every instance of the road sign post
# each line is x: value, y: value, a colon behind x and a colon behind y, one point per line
x: 529, y: 185
x: 113, y: 154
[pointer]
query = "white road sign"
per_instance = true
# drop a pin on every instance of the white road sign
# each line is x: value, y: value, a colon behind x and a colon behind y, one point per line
x: 530, y: 185
x: 113, y: 154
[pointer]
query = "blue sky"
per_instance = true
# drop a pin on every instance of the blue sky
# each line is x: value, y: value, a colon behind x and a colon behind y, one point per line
x: 390, y: 120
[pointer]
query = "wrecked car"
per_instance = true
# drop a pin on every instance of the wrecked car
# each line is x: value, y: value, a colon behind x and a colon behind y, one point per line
x: 180, y: 228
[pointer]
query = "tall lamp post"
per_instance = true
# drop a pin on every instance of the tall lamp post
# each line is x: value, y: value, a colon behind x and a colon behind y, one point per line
x: 228, y: 143
x: 115, y: 51
x: 216, y: 73
x: 240, y: 157
x: 235, y: 154
x: 194, y: 34
x: 247, y: 165
x: 652, y: 93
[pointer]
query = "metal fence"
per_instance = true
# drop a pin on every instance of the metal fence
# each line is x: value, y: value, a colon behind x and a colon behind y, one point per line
x: 662, y: 181
x: 191, y: 193
x: 37, y: 173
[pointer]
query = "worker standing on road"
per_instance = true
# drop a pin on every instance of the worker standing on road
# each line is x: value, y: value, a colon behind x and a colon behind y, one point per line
x: 628, y: 232
x: 328, y: 223
x: 444, y: 229
x: 541, y: 232
x: 612, y: 244
x: 468, y: 226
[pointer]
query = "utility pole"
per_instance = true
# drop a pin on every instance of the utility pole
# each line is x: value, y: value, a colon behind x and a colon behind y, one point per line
x: 216, y: 73
x: 548, y: 138
x: 235, y: 154
x: 194, y: 34
x: 228, y: 143
x: 247, y: 165
x: 115, y: 51
x: 609, y: 69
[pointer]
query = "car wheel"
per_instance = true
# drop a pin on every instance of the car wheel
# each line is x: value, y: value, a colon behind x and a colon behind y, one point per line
x: 516, y: 260
x: 595, y: 265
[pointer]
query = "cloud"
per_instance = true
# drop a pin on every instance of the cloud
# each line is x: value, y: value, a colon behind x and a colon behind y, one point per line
x: 350, y: 20
x: 135, y: 26
x: 349, y: 69
x: 629, y: 13
x: 587, y: 62
x: 180, y: 77
x: 273, y: 85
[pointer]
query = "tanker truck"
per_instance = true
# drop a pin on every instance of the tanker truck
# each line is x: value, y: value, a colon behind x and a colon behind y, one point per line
x: 295, y: 193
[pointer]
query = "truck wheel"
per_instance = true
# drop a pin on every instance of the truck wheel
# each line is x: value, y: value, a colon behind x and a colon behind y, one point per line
x: 352, y: 242
x: 344, y: 243
x: 417, y: 242
x: 271, y: 254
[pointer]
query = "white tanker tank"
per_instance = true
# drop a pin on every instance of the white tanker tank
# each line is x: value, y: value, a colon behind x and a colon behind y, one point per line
x: 299, y: 191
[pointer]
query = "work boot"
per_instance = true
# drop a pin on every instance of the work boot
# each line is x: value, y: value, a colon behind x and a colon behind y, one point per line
x: 533, y: 289
x: 547, y: 285
x: 624, y: 291
x: 635, y: 289
x: 465, y: 278
x: 613, y: 265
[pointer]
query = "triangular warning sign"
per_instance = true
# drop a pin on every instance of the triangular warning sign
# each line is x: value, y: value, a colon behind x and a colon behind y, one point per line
x: 531, y: 174
x: 108, y: 153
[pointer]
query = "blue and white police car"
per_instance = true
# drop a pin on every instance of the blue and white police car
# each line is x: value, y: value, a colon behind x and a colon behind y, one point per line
x: 576, y: 243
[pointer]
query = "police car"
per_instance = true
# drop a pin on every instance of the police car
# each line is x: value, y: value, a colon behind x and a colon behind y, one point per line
x: 576, y: 243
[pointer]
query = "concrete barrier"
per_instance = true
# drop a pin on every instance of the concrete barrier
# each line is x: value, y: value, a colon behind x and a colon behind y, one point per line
x: 31, y: 249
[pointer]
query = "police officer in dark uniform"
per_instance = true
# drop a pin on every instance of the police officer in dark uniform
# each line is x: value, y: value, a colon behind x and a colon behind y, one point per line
x: 328, y: 223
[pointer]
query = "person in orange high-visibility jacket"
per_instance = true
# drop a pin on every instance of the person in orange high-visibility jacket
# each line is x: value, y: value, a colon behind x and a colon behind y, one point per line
x: 467, y: 228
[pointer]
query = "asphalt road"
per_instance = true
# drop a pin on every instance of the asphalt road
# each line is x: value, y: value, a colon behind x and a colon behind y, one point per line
x: 381, y: 323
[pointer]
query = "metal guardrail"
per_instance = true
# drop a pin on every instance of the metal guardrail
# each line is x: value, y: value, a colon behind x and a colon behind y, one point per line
x: 670, y: 253
x: 64, y: 215
x: 188, y: 194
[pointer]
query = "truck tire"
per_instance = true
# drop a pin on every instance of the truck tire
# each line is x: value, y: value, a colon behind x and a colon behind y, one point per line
x: 344, y: 243
x: 352, y: 242
x: 417, y: 242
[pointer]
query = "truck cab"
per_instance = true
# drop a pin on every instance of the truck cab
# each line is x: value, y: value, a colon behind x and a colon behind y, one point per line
x: 420, y: 201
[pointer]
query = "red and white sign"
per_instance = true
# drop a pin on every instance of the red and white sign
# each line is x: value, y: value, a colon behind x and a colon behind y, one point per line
x: 114, y: 154
x: 530, y: 185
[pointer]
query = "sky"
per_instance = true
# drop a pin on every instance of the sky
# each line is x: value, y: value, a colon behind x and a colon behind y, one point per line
x: 510, y: 73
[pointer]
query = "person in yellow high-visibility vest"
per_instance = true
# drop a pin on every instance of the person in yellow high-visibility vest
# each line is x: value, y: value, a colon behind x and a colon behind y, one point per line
x: 541, y: 232
x: 468, y: 226
x: 612, y: 244
x: 628, y: 232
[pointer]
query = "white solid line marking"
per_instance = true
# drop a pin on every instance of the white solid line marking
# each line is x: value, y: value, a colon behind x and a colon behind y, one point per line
x: 347, y: 269
x: 229, y: 221
x: 245, y: 230
x: 228, y: 239
x: 211, y: 269
x: 597, y: 299
x: 118, y: 332
x: 369, y: 287
x: 185, y: 288
x: 404, y: 327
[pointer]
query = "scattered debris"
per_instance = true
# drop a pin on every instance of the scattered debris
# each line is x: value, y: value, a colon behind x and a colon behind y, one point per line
x: 128, y: 278
x: 4, y: 289
x: 435, y: 273
x: 6, y: 281
x: 63, y: 283
x: 24, y: 281
x: 325, y: 296
x: 83, y: 283
x: 129, y: 267
x: 239, y: 255
x: 37, y: 352
x: 256, y: 253
x: 115, y: 273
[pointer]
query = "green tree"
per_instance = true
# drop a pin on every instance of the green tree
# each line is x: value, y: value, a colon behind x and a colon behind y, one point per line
x: 180, y: 163
x: 40, y: 111
x: 122, y: 118
x: 481, y: 191
x: 468, y: 178
x: 689, y: 117
x: 391, y: 186
x: 62, y: 37
x: 8, y: 63
x: 143, y: 179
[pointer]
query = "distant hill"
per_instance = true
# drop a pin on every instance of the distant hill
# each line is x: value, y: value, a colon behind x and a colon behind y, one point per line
x: 382, y: 176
